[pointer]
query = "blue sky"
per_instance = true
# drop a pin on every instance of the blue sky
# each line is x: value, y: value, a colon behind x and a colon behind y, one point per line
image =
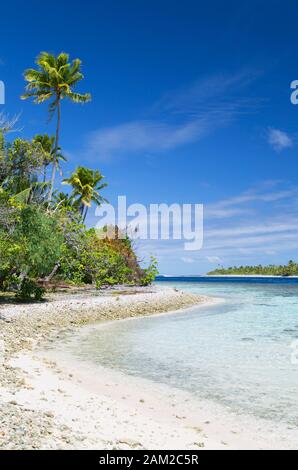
x: 191, y: 104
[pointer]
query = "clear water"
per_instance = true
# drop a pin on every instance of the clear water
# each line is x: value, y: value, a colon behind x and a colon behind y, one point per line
x: 237, y: 353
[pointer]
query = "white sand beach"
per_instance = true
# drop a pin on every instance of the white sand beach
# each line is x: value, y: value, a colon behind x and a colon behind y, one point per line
x: 26, y: 327
x: 50, y: 401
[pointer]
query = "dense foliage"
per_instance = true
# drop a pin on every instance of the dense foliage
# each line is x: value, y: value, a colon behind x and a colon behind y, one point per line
x: 290, y: 269
x: 42, y: 232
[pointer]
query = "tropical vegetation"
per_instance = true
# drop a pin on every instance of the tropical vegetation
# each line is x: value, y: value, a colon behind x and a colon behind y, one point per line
x: 43, y: 237
x: 290, y: 269
x: 54, y: 80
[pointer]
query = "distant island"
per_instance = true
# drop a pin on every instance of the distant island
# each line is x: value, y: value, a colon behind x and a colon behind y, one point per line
x: 290, y: 269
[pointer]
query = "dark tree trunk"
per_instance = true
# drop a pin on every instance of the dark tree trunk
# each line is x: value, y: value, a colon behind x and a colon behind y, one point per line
x: 84, y: 217
x: 54, y: 168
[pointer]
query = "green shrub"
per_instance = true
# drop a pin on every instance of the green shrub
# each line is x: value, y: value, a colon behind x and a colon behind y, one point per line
x: 149, y: 273
x: 87, y: 258
x: 29, y: 290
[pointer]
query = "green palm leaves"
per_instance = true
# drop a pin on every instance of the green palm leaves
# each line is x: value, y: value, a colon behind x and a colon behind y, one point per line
x: 48, y: 147
x: 86, y: 186
x: 54, y: 79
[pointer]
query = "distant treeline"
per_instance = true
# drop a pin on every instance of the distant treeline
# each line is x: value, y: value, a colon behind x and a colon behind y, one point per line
x: 290, y: 269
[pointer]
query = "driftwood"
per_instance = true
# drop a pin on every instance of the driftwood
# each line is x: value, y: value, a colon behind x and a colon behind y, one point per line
x: 52, y: 274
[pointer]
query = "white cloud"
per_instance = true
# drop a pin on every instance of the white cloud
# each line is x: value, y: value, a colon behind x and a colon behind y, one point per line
x: 177, y: 119
x: 214, y: 92
x: 214, y: 259
x: 279, y: 140
x: 135, y: 136
x: 266, y: 234
x: 187, y: 260
x: 233, y: 206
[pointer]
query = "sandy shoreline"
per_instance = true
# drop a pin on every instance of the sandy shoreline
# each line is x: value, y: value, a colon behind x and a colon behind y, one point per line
x: 127, y: 412
x: 27, y: 327
x: 48, y: 400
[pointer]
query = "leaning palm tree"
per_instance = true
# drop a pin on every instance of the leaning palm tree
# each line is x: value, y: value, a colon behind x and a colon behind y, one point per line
x: 51, y: 155
x: 86, y: 185
x: 54, y: 79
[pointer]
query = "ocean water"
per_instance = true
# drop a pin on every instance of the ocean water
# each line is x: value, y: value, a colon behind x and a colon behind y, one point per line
x: 238, y: 353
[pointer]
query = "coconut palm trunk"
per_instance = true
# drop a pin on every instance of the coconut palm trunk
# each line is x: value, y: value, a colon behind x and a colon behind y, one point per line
x: 54, y: 79
x: 85, y: 214
x: 54, y: 168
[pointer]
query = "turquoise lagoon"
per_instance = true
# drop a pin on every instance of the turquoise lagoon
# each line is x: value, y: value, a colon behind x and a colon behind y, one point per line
x: 238, y: 353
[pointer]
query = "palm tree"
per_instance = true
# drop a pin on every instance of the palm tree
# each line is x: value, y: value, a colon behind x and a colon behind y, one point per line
x: 48, y: 148
x: 54, y: 80
x: 86, y: 185
x: 64, y: 201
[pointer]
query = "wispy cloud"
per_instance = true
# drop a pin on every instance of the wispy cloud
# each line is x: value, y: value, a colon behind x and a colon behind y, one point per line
x: 241, y: 204
x: 145, y: 136
x: 260, y: 225
x: 279, y: 140
x: 178, y: 118
x: 213, y: 259
x: 187, y: 260
x: 219, y: 91
x: 270, y: 221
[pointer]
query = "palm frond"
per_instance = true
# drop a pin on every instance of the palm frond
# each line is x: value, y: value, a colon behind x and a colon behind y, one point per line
x: 43, y: 97
x: 46, y: 57
x: 32, y: 74
x: 62, y: 59
x: 79, y: 98
x: 75, y: 66
x: 23, y: 196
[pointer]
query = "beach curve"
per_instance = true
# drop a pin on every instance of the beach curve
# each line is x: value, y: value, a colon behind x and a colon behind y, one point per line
x: 24, y: 328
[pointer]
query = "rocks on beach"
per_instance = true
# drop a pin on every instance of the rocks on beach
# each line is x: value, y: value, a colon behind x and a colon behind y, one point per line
x: 24, y: 327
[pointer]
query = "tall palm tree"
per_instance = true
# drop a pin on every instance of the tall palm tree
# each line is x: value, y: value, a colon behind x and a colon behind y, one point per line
x: 86, y: 185
x: 54, y: 79
x: 48, y: 147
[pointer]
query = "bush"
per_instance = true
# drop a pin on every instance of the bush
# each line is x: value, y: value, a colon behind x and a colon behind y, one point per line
x: 28, y: 290
x: 89, y: 258
x: 150, y: 273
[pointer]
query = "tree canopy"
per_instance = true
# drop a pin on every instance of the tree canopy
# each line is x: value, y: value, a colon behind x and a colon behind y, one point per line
x: 43, y: 237
x: 290, y: 269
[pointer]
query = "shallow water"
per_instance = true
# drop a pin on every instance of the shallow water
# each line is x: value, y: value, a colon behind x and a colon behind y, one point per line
x: 237, y: 353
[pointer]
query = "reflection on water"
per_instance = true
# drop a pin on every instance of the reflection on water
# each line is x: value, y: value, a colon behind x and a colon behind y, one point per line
x: 237, y: 353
